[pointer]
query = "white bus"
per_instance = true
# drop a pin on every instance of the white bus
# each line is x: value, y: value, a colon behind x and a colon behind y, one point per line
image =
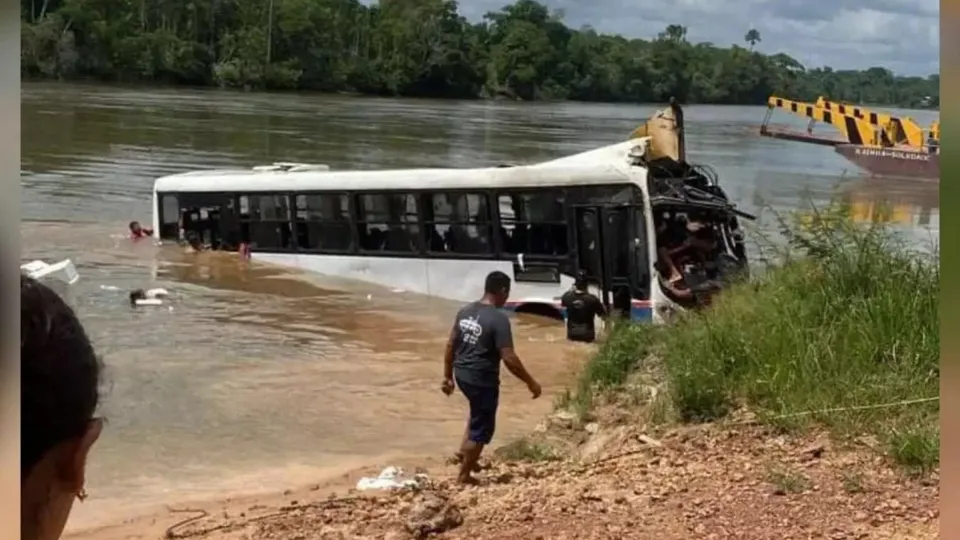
x: 441, y: 231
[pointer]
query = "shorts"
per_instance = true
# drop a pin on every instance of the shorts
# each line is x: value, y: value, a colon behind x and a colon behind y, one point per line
x: 484, y: 401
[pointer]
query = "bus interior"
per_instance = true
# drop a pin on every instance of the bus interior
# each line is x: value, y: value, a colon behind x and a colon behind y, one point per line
x: 697, y: 234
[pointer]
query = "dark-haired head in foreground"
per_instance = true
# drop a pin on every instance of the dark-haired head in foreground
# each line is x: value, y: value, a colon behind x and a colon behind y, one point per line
x: 60, y: 376
x: 496, y: 288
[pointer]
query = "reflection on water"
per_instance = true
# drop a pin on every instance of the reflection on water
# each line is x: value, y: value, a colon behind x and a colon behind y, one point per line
x: 253, y: 377
x: 910, y: 205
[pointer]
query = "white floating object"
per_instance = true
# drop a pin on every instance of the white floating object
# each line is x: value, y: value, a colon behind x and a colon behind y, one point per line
x: 369, y: 297
x: 109, y: 288
x: 155, y: 293
x: 63, y: 270
x: 148, y: 302
x: 285, y: 166
x: 390, y: 478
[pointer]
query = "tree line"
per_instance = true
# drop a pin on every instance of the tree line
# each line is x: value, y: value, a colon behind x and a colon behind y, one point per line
x: 420, y: 48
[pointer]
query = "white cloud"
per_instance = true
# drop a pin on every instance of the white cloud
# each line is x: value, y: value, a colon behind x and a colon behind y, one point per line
x: 844, y: 34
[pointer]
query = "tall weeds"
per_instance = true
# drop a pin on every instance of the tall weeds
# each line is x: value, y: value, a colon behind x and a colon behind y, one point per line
x: 843, y: 332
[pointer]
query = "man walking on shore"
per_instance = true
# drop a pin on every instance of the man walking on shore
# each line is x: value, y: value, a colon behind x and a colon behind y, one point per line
x: 481, y: 337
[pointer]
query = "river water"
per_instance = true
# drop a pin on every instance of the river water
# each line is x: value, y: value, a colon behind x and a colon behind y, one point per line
x: 255, y: 378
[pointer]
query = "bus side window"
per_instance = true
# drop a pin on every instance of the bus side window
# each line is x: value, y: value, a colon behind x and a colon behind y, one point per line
x: 459, y: 223
x: 388, y: 222
x: 323, y: 222
x: 170, y: 213
x: 533, y: 223
x: 268, y: 220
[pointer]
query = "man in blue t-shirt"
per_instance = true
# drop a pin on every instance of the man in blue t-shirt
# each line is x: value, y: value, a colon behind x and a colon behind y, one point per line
x: 480, y: 339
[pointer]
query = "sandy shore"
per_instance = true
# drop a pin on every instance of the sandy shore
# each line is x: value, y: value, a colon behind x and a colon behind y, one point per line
x: 617, y: 481
x: 155, y: 522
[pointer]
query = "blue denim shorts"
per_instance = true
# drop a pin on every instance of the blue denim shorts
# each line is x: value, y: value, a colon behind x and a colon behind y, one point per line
x: 484, y: 401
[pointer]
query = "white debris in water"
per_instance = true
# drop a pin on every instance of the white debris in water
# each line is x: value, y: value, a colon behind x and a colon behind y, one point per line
x: 152, y: 297
x: 63, y: 270
x: 154, y: 293
x: 369, y: 297
x: 391, y: 478
x: 109, y: 288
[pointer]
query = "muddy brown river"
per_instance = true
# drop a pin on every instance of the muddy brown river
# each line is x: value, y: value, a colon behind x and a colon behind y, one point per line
x: 253, y: 378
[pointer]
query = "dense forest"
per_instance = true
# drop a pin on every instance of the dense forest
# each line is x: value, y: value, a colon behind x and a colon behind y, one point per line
x: 420, y: 48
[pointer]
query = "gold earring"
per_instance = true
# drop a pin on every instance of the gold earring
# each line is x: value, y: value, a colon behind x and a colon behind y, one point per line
x: 82, y: 495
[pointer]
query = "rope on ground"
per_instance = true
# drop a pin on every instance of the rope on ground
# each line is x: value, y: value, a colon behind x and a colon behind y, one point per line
x: 615, y: 457
x: 170, y: 532
x: 173, y: 533
x: 647, y: 448
x: 847, y: 409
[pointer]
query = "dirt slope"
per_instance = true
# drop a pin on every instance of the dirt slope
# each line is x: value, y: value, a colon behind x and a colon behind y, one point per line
x: 703, y: 482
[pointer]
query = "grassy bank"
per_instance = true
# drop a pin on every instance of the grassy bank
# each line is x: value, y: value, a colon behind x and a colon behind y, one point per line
x: 842, y: 333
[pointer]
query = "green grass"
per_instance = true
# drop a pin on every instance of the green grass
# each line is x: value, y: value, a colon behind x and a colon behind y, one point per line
x: 853, y: 481
x: 785, y: 481
x: 526, y: 450
x: 846, y: 321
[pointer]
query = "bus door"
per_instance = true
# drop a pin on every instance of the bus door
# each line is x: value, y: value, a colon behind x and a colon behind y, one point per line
x: 230, y: 224
x: 606, y: 252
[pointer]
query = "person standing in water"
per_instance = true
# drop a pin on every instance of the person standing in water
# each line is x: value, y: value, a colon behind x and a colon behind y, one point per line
x: 481, y: 337
x: 582, y: 307
x: 59, y: 394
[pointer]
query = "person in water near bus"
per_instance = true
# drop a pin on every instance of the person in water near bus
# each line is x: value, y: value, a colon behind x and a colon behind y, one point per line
x: 582, y: 308
x: 696, y: 252
x: 696, y: 241
x: 481, y: 337
x: 137, y: 231
x: 194, y: 244
x: 59, y: 393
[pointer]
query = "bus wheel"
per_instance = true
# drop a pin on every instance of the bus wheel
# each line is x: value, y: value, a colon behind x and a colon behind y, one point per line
x: 540, y: 310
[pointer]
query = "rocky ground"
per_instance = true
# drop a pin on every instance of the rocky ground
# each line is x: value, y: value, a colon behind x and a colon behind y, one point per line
x: 625, y: 481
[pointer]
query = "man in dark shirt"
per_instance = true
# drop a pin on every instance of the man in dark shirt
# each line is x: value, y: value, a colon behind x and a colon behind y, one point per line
x: 582, y: 307
x: 480, y: 338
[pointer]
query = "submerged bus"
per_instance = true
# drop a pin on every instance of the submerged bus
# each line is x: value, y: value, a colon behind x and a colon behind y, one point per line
x: 439, y: 232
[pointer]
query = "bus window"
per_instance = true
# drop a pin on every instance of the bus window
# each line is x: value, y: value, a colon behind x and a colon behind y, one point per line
x: 323, y: 222
x: 458, y: 223
x: 171, y: 209
x: 533, y: 223
x: 270, y: 207
x: 388, y: 222
x: 169, y: 217
x: 600, y: 194
x: 267, y: 218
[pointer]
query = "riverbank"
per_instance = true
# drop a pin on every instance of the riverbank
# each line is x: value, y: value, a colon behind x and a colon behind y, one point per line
x: 628, y: 481
x: 431, y: 51
x: 801, y: 404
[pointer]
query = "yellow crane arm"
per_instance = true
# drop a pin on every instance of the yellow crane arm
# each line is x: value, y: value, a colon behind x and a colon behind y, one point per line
x: 896, y: 130
x: 852, y: 128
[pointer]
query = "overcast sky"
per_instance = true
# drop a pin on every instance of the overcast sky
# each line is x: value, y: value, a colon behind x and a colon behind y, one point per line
x: 902, y: 35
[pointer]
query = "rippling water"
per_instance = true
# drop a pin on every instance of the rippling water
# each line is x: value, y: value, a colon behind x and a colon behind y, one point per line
x: 254, y: 378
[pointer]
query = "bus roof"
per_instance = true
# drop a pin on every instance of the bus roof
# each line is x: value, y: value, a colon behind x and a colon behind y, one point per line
x: 602, y: 166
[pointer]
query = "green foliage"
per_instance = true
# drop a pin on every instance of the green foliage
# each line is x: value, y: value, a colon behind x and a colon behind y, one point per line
x: 419, y: 48
x: 786, y: 482
x: 844, y: 333
x: 526, y: 450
